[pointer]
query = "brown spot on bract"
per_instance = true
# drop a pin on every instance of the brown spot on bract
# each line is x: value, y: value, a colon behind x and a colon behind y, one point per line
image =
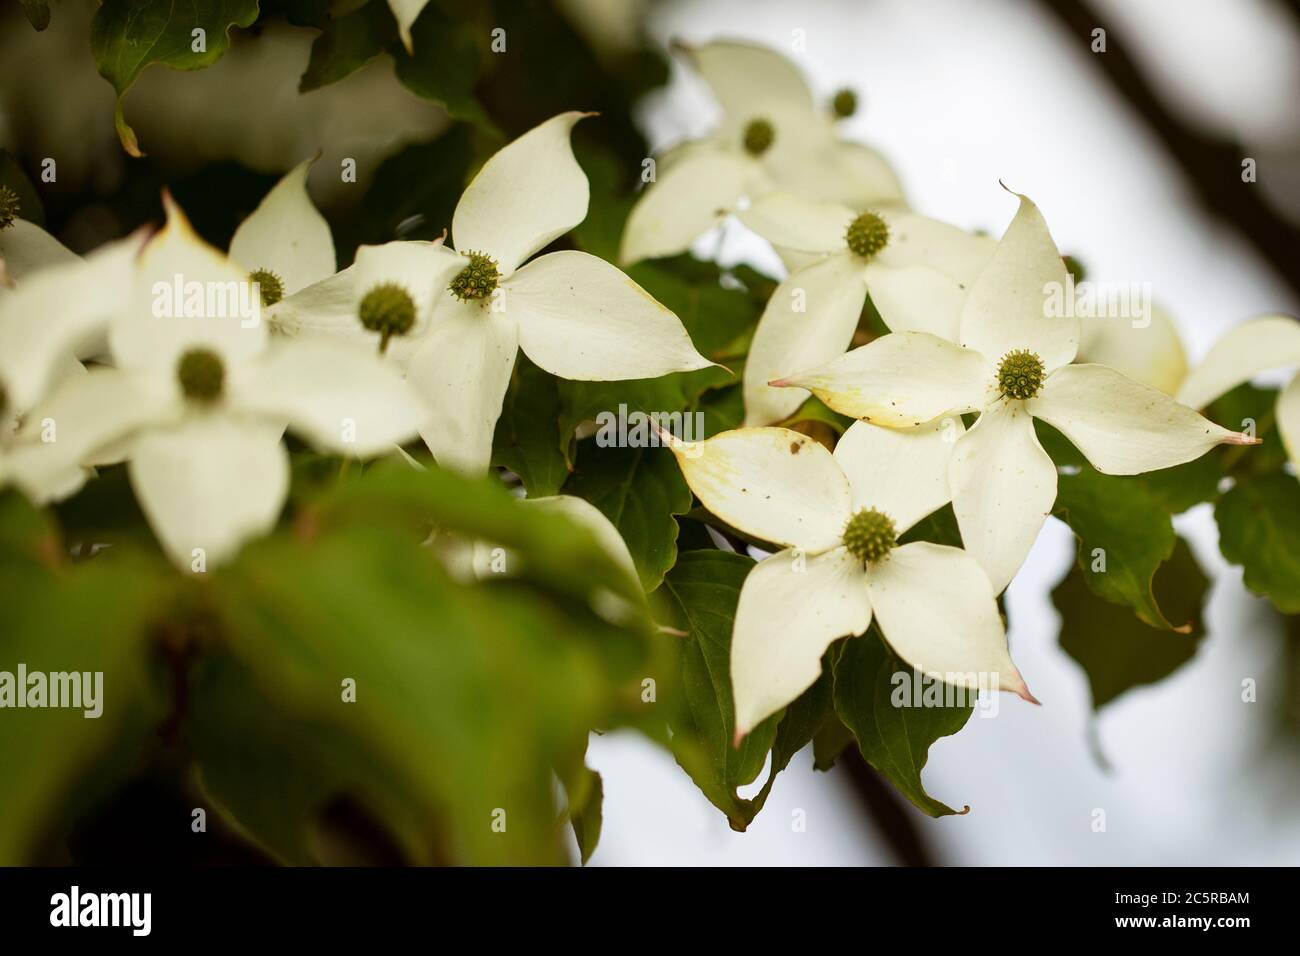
x: 795, y: 447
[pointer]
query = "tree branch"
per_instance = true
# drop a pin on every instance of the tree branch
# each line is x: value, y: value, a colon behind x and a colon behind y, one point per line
x: 1211, y: 164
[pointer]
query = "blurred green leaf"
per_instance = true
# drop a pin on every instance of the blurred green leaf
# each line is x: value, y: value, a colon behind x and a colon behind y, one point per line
x: 37, y: 12
x: 347, y: 42
x: 450, y: 43
x: 465, y: 697
x: 894, y: 739
x: 1259, y: 527
x: 128, y: 35
x: 639, y: 490
x: 59, y: 619
x: 1115, y: 649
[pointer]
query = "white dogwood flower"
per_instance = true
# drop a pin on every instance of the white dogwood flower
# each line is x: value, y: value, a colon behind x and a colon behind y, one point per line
x: 199, y: 398
x: 771, y: 136
x: 26, y: 248
x: 455, y: 320
x: 1265, y: 343
x: 285, y: 244
x: 838, y: 518
x: 917, y: 270
x: 1013, y: 365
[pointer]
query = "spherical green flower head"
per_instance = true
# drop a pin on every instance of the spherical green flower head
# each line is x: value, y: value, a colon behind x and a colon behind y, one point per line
x: 759, y: 136
x: 845, y: 103
x: 202, y: 375
x: 867, y: 235
x: 8, y: 207
x: 477, y: 280
x: 389, y: 310
x: 870, y: 535
x: 1020, y: 374
x: 269, y: 285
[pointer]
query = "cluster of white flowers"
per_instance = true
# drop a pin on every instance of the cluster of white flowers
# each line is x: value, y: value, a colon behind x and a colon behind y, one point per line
x: 203, y: 359
x: 970, y: 333
x: 194, y: 392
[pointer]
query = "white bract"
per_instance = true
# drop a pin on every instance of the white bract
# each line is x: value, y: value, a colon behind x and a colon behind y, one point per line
x: 285, y: 244
x: 200, y: 397
x: 837, y: 517
x: 26, y: 248
x: 56, y: 316
x: 1013, y: 365
x: 455, y: 320
x: 917, y: 270
x: 771, y: 136
x: 1268, y: 342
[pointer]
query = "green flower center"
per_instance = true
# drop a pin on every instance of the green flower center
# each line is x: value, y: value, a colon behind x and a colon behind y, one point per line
x: 867, y: 235
x: 478, y: 279
x: 8, y: 207
x: 269, y: 284
x: 870, y: 535
x: 1020, y: 374
x: 201, y: 375
x: 845, y: 103
x: 389, y: 310
x: 759, y: 135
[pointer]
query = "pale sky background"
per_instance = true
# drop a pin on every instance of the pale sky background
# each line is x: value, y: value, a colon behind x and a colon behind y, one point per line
x: 958, y: 95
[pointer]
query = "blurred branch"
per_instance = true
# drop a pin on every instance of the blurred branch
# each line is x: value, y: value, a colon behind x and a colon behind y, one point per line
x: 893, y: 816
x: 1211, y: 163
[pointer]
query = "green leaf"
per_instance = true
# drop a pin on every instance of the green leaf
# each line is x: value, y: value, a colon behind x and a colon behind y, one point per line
x: 829, y: 742
x: 1124, y: 536
x: 585, y: 812
x: 466, y: 696
x: 1115, y: 649
x: 527, y: 434
x: 450, y: 43
x: 92, y: 618
x: 348, y: 42
x: 639, y: 490
x: 128, y: 35
x: 1259, y: 527
x: 550, y: 550
x: 38, y: 13
x: 700, y: 596
x: 894, y: 739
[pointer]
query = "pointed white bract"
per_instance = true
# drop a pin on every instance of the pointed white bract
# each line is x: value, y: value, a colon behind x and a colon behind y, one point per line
x: 934, y: 604
x: 26, y: 249
x: 573, y: 314
x: 917, y: 281
x: 1268, y: 342
x: 1010, y: 362
x: 199, y: 398
x: 771, y: 137
x: 286, y: 235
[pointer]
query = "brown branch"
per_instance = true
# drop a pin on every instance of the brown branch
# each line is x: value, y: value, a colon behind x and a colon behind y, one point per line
x: 894, y: 818
x: 1211, y: 163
